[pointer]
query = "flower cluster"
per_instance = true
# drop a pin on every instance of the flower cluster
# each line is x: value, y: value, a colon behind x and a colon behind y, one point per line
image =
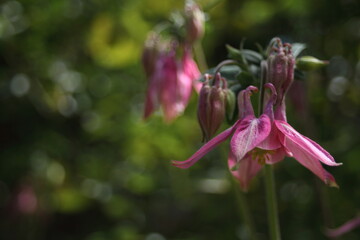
x: 268, y: 138
x: 169, y: 66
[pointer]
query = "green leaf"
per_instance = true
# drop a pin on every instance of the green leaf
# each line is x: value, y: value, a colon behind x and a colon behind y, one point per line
x: 244, y: 56
x: 229, y: 72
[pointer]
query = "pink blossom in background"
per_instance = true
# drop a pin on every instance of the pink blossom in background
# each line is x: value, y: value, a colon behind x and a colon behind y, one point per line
x: 170, y: 82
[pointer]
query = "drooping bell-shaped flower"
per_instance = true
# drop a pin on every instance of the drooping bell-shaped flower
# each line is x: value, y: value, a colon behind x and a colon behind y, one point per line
x: 170, y: 79
x: 265, y: 140
x: 212, y: 105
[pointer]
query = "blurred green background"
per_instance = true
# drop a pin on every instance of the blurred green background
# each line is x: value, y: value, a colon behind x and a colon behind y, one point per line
x: 77, y: 161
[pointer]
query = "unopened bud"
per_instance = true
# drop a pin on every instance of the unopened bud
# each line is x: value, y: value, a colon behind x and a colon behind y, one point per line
x: 230, y: 104
x: 195, y: 20
x: 308, y: 63
x: 280, y: 68
x: 212, y: 105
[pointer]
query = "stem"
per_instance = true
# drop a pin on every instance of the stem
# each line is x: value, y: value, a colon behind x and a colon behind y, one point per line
x: 211, y: 5
x: 223, y: 63
x: 244, y: 210
x: 200, y: 56
x: 271, y: 202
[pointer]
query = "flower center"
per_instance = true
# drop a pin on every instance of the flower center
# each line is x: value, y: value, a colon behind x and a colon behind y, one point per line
x: 261, y: 156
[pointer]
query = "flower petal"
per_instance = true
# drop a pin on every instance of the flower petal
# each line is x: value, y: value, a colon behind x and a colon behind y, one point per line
x: 311, y: 163
x: 278, y: 155
x: 246, y: 171
x: 311, y: 148
x: 206, y: 148
x: 272, y: 142
x: 250, y: 133
x: 184, y: 87
x: 169, y: 96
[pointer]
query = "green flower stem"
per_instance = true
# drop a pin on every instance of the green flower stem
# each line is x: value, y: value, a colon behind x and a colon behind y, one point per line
x: 200, y: 56
x: 271, y: 202
x: 211, y: 5
x: 244, y: 210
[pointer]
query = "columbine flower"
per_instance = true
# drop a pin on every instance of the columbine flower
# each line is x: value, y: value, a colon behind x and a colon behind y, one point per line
x: 170, y: 80
x: 264, y: 140
x: 248, y: 132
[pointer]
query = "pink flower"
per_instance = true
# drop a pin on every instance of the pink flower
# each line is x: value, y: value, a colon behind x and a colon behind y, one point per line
x: 265, y: 140
x: 170, y: 82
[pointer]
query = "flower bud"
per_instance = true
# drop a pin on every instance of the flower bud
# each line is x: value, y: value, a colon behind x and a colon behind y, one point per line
x: 307, y: 63
x: 280, y: 69
x: 230, y: 104
x: 195, y: 19
x: 212, y: 105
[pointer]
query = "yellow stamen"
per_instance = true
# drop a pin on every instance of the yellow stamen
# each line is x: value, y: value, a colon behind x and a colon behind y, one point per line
x: 261, y: 155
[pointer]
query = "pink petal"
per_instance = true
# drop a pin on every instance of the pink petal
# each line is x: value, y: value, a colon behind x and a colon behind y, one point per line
x: 311, y: 148
x: 184, y: 88
x: 345, y: 228
x: 272, y: 142
x: 247, y: 170
x: 197, y: 85
x: 191, y: 69
x: 311, y: 163
x: 250, y: 133
x: 277, y: 156
x: 206, y: 148
x: 169, y: 96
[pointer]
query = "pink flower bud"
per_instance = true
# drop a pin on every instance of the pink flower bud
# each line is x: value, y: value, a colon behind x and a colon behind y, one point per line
x: 194, y: 21
x: 212, y: 105
x: 280, y: 69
